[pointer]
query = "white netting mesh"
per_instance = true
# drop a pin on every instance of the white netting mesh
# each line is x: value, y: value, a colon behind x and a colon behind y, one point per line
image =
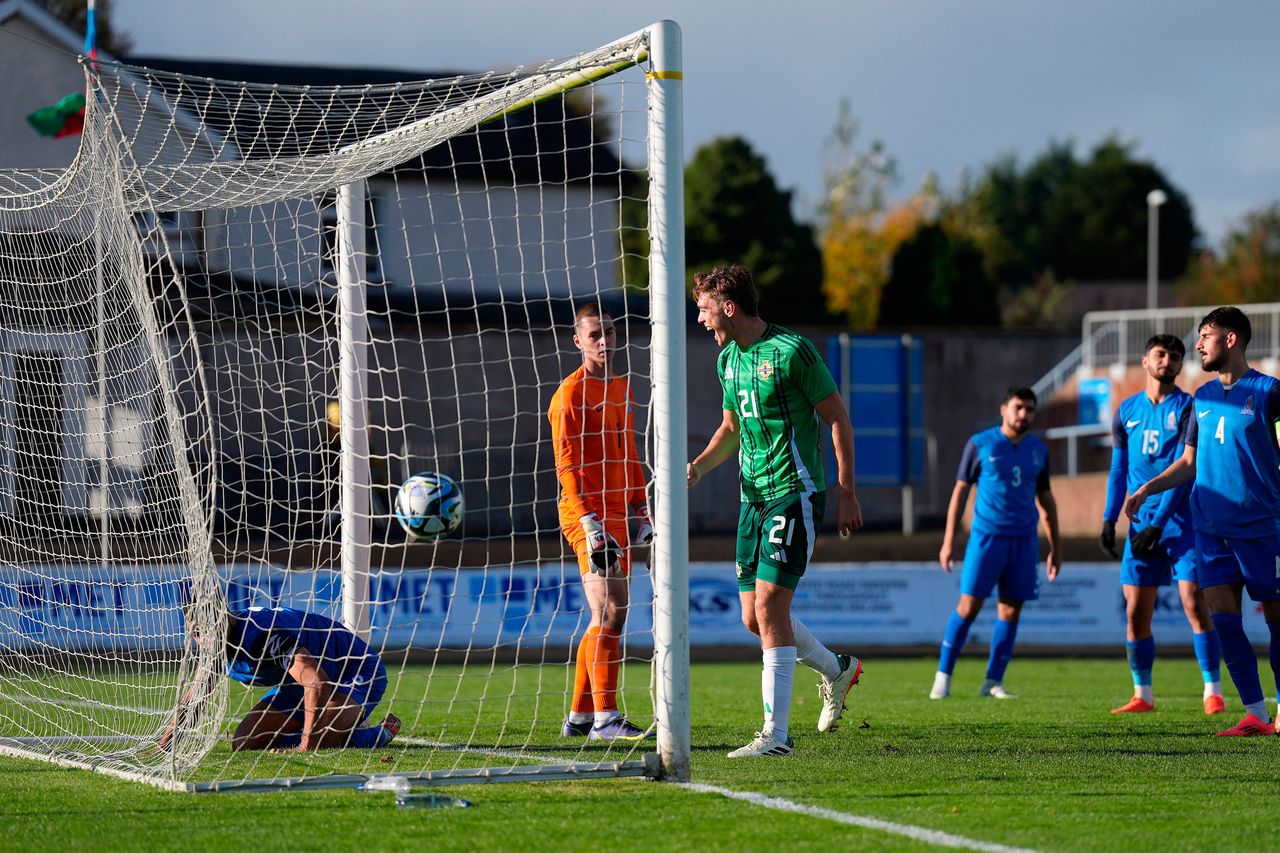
x: 169, y: 327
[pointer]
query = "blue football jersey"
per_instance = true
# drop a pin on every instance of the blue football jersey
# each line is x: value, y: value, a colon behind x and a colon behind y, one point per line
x: 1008, y: 477
x: 263, y: 640
x: 1237, y: 487
x: 1146, y: 437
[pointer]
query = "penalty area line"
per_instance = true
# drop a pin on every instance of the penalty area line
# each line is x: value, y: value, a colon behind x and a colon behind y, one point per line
x: 916, y: 833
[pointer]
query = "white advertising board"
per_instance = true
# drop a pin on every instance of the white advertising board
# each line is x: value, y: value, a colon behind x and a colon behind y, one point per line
x: 846, y: 605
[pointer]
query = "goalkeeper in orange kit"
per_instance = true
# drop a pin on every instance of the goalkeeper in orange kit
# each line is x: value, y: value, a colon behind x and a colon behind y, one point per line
x: 602, y: 486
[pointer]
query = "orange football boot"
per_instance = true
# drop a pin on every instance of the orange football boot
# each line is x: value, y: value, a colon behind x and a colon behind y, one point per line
x: 1135, y: 706
x: 1214, y: 704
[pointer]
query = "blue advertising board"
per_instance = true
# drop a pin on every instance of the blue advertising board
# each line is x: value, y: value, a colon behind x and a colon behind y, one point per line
x: 1095, y: 401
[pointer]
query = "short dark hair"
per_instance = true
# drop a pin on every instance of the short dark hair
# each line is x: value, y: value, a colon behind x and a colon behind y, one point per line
x: 590, y: 309
x: 732, y: 281
x: 1230, y: 319
x: 1172, y: 343
x: 1022, y: 392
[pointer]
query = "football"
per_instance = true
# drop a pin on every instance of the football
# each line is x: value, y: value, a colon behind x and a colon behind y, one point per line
x: 429, y: 506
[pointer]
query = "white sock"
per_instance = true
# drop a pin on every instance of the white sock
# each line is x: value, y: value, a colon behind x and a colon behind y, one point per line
x: 941, y: 679
x: 811, y: 652
x: 1143, y: 692
x: 581, y: 716
x: 1259, y: 710
x: 603, y: 717
x: 1212, y: 688
x: 775, y: 688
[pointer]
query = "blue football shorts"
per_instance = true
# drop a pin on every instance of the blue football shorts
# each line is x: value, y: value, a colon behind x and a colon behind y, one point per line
x: 1253, y: 562
x: 1176, y: 560
x: 365, y: 689
x: 1010, y: 562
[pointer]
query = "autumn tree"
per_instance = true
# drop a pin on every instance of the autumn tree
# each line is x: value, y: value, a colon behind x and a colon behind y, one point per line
x: 858, y: 234
x: 1246, y: 270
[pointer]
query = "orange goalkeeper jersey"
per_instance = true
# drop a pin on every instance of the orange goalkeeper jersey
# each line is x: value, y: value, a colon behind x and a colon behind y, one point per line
x: 593, y: 431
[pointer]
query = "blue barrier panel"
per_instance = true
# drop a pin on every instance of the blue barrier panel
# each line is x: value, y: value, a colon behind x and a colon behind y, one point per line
x: 871, y: 372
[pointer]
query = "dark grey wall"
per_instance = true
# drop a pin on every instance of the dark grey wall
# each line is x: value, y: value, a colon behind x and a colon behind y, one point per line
x: 472, y: 403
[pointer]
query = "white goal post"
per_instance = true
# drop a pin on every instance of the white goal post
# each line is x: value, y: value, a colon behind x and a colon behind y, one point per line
x: 240, y: 319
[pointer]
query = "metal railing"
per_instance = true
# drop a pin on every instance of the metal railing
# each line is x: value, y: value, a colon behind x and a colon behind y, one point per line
x: 1119, y: 337
x: 1065, y: 370
x: 1072, y: 435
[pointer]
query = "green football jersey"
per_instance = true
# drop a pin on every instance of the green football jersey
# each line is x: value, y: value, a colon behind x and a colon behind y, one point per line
x: 772, y: 386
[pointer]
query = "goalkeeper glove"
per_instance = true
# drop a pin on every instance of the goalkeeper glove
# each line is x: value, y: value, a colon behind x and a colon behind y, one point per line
x: 644, y: 533
x: 1146, y: 542
x: 603, y: 550
x: 1108, y: 539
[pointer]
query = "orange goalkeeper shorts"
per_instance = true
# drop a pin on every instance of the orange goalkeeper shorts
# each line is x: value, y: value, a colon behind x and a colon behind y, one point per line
x: 617, y: 529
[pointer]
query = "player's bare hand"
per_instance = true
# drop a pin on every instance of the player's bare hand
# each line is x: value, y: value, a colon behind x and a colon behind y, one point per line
x: 693, y: 474
x: 1053, y: 565
x: 848, y: 514
x: 944, y: 557
x: 284, y: 750
x: 1134, y: 503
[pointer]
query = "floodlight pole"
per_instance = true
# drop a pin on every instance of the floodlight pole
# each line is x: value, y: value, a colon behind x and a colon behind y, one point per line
x: 353, y: 360
x: 1155, y: 198
x: 667, y: 301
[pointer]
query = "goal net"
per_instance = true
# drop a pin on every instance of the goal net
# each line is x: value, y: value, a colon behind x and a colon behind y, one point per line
x: 245, y: 315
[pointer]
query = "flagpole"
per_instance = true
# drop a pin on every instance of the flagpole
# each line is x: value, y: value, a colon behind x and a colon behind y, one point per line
x: 91, y: 34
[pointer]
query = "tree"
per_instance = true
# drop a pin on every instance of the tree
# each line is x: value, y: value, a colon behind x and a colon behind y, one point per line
x: 1248, y: 269
x: 734, y: 212
x: 75, y: 14
x: 1079, y: 219
x: 858, y: 236
x: 938, y: 279
x: 858, y: 251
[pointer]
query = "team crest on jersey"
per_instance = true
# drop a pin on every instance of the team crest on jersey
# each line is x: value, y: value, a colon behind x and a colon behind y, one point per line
x: 1248, y: 406
x: 765, y: 370
x: 1171, y: 422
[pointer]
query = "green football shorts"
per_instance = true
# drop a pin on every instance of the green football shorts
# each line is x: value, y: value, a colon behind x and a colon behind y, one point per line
x: 775, y: 538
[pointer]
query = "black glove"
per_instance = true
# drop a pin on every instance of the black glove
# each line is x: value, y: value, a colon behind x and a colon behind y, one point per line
x: 1108, y: 539
x: 1146, y: 542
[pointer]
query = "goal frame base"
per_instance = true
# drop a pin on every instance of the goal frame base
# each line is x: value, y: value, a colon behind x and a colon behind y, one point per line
x: 649, y: 766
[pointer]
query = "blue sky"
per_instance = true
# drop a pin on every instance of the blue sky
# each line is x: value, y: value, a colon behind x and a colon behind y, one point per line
x: 947, y: 85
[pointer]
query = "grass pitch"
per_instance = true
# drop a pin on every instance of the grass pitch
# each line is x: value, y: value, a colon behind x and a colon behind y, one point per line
x: 1053, y: 770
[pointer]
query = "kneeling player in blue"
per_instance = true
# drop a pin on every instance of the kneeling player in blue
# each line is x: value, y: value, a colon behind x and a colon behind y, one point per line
x: 1011, y: 470
x: 1230, y: 454
x: 1145, y: 437
x: 324, y: 682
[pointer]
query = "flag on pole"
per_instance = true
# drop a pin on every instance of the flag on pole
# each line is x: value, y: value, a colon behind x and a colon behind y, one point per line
x: 66, y: 118
x: 91, y: 32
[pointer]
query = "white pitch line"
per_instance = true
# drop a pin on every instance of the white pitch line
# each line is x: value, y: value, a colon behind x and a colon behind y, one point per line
x: 917, y: 833
x: 69, y: 702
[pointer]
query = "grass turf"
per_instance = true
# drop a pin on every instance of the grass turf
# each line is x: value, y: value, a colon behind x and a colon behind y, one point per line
x: 1053, y: 770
